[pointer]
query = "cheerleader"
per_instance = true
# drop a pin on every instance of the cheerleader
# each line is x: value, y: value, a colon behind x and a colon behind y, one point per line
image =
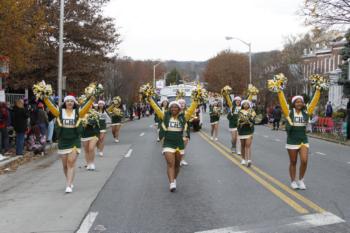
x: 214, y: 113
x: 174, y: 129
x: 103, y: 119
x: 164, y: 105
x: 90, y: 136
x: 245, y: 129
x: 232, y: 117
x: 297, y: 118
x: 183, y: 107
x: 68, y: 126
x: 116, y: 115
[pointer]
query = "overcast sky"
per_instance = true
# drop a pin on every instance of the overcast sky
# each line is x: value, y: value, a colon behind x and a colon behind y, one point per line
x: 196, y: 29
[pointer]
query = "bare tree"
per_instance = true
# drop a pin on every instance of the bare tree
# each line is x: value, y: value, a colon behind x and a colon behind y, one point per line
x: 326, y: 13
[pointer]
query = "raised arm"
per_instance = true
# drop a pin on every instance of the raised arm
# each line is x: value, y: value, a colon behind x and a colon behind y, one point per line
x: 314, y: 102
x: 86, y: 106
x: 189, y: 112
x: 52, y: 106
x: 156, y: 108
x: 228, y: 100
x: 283, y: 103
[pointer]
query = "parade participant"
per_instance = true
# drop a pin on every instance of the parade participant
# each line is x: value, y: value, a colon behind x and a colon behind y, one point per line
x: 103, y: 119
x: 297, y: 118
x: 245, y: 129
x: 214, y: 113
x: 90, y: 136
x: 232, y: 117
x: 117, y: 115
x: 164, y: 105
x: 174, y: 129
x: 183, y: 107
x: 68, y: 127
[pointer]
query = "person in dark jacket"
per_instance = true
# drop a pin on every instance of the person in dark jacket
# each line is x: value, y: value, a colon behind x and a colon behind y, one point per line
x: 329, y: 109
x: 276, y: 114
x: 20, y: 116
x: 4, y: 119
x: 42, y: 119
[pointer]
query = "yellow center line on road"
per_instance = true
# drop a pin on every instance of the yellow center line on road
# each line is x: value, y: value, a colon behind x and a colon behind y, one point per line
x: 284, y: 187
x: 258, y: 179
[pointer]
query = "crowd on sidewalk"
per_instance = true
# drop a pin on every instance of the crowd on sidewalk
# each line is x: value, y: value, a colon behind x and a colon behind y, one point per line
x: 25, y: 126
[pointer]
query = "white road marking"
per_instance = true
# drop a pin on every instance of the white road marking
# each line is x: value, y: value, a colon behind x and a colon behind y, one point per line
x: 265, y: 136
x: 88, y: 222
x: 348, y: 162
x: 320, y: 153
x: 277, y: 140
x: 284, y: 225
x: 127, y: 155
x: 142, y: 134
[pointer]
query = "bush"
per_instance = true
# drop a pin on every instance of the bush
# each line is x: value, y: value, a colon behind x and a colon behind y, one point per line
x: 340, y: 114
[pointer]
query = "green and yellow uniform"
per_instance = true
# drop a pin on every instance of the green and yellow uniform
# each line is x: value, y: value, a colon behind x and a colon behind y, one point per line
x: 214, y: 114
x: 103, y: 116
x: 173, y: 129
x: 91, y: 130
x: 297, y: 122
x: 68, y: 127
x: 233, y: 117
x: 245, y: 124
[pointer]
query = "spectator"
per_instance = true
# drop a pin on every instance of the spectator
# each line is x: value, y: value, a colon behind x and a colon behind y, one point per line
x: 4, y: 119
x: 329, y: 109
x: 42, y: 119
x: 51, y: 118
x: 20, y: 116
x: 276, y: 115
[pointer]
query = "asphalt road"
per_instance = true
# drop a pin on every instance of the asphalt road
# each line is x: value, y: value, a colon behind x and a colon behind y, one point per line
x: 216, y: 193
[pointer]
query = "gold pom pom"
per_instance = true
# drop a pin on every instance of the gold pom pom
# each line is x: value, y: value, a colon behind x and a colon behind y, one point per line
x: 200, y: 95
x: 319, y: 82
x: 252, y: 90
x: 93, y: 90
x: 278, y: 83
x: 42, y: 90
x: 146, y: 91
x: 226, y: 90
x: 180, y: 94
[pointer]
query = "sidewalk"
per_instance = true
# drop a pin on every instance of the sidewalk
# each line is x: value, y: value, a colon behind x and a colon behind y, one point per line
x: 33, y: 200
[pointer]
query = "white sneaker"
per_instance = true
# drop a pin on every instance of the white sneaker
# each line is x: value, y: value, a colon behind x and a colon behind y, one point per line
x: 69, y: 190
x: 301, y: 185
x: 116, y: 140
x: 216, y: 139
x: 249, y: 163
x: 158, y: 140
x: 211, y: 138
x: 294, y: 185
x: 172, y: 187
x: 243, y: 162
x: 239, y: 153
x: 92, y: 167
x: 72, y: 186
x: 87, y: 167
x: 100, y: 154
x: 183, y: 163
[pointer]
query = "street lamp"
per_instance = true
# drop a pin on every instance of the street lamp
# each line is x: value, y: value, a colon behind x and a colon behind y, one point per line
x: 250, y: 54
x: 154, y: 74
x: 60, y: 54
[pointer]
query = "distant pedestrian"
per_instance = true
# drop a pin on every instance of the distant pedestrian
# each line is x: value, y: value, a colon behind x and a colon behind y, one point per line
x: 329, y: 109
x: 276, y: 114
x: 20, y: 116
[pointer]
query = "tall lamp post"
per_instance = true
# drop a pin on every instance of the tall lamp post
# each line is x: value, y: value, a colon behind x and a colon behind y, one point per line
x: 250, y: 54
x: 60, y: 54
x: 154, y: 74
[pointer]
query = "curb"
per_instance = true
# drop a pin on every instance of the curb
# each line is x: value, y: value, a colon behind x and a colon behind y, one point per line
x: 321, y: 138
x: 12, y: 160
